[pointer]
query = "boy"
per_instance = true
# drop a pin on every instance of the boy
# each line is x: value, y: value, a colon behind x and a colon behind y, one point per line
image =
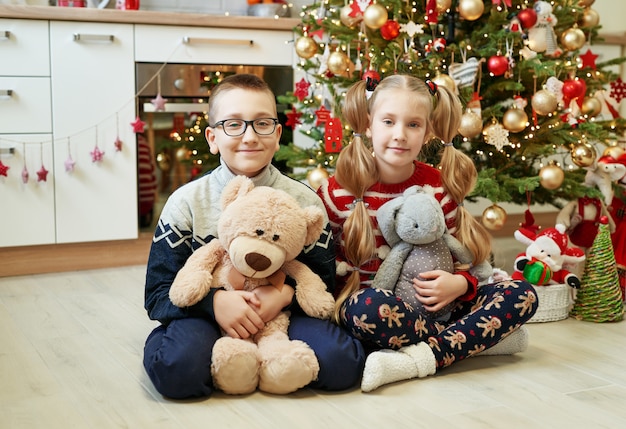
x: 244, y: 130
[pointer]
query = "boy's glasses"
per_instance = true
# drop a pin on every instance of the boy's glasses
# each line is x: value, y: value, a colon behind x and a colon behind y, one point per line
x: 237, y: 127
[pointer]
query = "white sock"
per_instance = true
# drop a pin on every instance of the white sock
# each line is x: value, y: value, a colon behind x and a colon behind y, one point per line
x: 516, y: 342
x: 388, y: 366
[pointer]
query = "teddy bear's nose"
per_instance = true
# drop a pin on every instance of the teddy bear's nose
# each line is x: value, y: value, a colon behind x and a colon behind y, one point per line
x: 257, y: 261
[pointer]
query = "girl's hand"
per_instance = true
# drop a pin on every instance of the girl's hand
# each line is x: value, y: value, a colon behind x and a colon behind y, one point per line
x: 272, y: 300
x: 439, y: 289
x: 234, y: 312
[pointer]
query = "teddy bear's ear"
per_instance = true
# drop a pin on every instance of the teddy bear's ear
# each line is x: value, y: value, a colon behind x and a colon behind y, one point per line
x: 314, y: 218
x: 236, y: 188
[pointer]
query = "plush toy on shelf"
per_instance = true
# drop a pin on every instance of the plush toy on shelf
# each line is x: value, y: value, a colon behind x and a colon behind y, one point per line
x: 260, y: 232
x: 414, y: 226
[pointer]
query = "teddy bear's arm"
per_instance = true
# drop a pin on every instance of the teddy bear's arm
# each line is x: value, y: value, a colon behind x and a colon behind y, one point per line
x: 195, y: 278
x: 311, y: 292
x: 389, y: 271
x: 462, y: 254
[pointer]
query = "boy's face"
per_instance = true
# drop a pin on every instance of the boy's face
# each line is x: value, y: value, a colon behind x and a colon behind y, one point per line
x: 250, y: 152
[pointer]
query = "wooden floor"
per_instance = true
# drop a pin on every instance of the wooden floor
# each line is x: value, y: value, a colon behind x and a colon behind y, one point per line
x: 71, y: 351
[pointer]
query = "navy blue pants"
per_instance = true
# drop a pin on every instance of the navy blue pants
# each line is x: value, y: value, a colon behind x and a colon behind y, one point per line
x: 383, y: 321
x: 177, y: 357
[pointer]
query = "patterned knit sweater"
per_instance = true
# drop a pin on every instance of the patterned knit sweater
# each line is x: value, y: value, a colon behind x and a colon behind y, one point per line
x: 337, y: 201
x: 189, y: 220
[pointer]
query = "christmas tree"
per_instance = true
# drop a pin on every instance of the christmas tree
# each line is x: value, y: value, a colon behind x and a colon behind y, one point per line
x: 600, y: 296
x: 539, y: 107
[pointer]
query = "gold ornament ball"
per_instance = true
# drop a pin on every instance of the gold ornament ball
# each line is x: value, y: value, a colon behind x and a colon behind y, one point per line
x: 346, y: 19
x: 375, y: 16
x: 338, y: 62
x: 316, y: 176
x: 613, y: 151
x: 445, y: 80
x: 551, y: 176
x: 443, y: 5
x: 591, y: 106
x: 544, y: 102
x: 590, y: 18
x: 572, y: 39
x: 183, y: 154
x: 515, y: 120
x: 585, y: 3
x: 306, y: 47
x: 471, y: 124
x: 163, y: 161
x: 494, y: 217
x: 471, y: 10
x: 583, y: 155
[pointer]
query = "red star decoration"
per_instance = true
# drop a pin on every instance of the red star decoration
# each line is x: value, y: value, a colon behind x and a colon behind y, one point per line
x: 118, y: 145
x: 618, y: 89
x: 138, y: 125
x: 356, y: 9
x: 25, y: 175
x: 42, y: 174
x: 589, y: 59
x: 293, y: 118
x: 319, y: 33
x: 96, y: 154
x: 3, y: 169
x: 302, y: 89
x: 322, y: 115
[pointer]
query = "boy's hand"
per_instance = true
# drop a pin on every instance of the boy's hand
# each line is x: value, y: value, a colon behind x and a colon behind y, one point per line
x: 272, y: 300
x: 234, y: 312
x: 439, y: 289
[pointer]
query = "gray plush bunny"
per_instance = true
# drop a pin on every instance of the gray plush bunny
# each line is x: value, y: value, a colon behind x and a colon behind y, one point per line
x: 415, y: 228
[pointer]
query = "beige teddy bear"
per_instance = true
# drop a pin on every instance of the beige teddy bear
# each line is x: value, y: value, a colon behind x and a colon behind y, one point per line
x: 261, y: 231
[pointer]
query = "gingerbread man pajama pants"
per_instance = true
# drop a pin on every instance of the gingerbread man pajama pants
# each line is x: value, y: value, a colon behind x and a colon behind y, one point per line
x: 381, y: 320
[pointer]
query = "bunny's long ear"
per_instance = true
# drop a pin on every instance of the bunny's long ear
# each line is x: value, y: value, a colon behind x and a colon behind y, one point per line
x: 386, y: 216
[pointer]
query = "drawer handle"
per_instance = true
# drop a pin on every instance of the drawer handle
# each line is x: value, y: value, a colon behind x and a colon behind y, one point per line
x: 189, y: 40
x: 93, y: 37
x: 6, y: 92
x: 6, y: 34
x: 7, y: 151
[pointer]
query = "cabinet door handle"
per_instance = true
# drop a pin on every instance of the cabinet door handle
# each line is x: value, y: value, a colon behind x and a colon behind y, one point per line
x: 6, y: 34
x: 6, y: 92
x: 204, y: 40
x: 78, y: 37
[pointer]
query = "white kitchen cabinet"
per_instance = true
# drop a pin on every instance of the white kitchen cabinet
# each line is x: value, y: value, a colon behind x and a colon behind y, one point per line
x: 93, y: 88
x: 25, y: 134
x: 201, y: 45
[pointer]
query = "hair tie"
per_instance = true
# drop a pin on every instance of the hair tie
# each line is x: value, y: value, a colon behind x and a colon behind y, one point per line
x: 370, y: 86
x: 356, y: 134
x: 352, y: 205
x: 432, y: 87
x: 461, y: 204
x: 449, y: 144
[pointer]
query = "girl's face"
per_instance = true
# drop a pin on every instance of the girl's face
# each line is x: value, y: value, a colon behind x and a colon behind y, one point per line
x: 398, y: 127
x: 248, y: 153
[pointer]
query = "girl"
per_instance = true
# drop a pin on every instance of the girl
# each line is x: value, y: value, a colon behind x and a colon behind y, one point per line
x: 398, y: 117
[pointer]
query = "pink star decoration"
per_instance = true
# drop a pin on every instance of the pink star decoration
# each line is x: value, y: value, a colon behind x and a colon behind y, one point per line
x: 96, y: 154
x: 3, y: 169
x: 302, y: 89
x: 69, y: 164
x: 118, y: 144
x: 159, y: 103
x: 25, y: 175
x: 42, y: 174
x: 618, y: 89
x: 589, y: 59
x: 138, y: 125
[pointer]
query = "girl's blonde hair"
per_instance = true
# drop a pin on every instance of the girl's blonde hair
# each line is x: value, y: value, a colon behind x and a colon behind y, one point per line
x: 356, y: 170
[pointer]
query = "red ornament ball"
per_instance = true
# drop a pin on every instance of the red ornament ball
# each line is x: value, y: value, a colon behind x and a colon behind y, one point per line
x: 574, y: 88
x: 390, y: 30
x: 527, y: 17
x: 373, y: 74
x: 497, y: 65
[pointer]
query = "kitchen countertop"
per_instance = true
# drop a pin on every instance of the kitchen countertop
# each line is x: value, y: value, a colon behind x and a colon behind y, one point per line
x: 145, y: 17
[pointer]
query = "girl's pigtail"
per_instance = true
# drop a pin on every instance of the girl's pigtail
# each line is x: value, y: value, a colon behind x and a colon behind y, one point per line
x: 458, y: 173
x: 356, y: 172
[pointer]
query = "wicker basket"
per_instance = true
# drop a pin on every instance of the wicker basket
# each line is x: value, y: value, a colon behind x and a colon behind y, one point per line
x: 555, y: 302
